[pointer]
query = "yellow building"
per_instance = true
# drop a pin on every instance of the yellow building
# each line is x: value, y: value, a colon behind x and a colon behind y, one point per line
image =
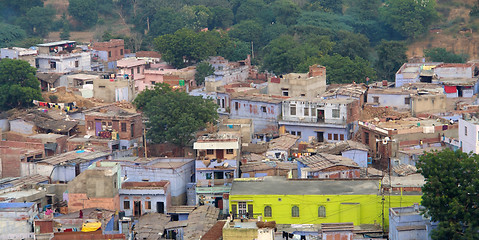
x: 315, y: 201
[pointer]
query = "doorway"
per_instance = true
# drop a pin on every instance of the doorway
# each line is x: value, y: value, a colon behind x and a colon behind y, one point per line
x: 219, y: 202
x: 220, y: 153
x: 320, y: 115
x: 320, y: 136
x: 160, y: 207
x: 137, y: 208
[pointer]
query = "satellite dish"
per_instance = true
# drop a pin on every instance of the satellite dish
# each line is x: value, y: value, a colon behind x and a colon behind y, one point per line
x: 225, y: 164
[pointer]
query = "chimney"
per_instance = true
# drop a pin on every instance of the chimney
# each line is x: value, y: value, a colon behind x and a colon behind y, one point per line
x: 316, y: 70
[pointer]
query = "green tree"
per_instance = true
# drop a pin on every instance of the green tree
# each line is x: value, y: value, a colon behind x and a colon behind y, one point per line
x: 84, y: 11
x: 196, y: 17
x: 165, y: 21
x: 391, y: 56
x: 256, y: 10
x: 350, y: 45
x: 335, y: 6
x: 174, y: 116
x: 18, y: 84
x: 341, y: 69
x: 442, y: 55
x: 186, y: 47
x: 247, y: 31
x: 10, y: 10
x: 450, y: 194
x: 409, y: 17
x: 235, y: 50
x: 38, y: 21
x: 10, y: 34
x: 203, y: 69
x: 286, y: 12
x: 221, y: 17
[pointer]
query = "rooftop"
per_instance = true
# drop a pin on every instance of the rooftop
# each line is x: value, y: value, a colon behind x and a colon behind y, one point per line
x: 284, y: 142
x: 322, y: 161
x: 338, y: 147
x: 283, y: 186
x: 350, y: 90
x: 130, y: 62
x: 458, y: 81
x: 200, y: 221
x: 260, y: 98
x: 21, y: 181
x: 15, y: 206
x: 144, y: 185
x: 46, y: 136
x: 52, y: 44
x: 75, y: 156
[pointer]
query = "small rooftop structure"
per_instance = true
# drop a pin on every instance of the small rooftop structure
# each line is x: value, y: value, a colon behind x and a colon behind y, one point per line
x: 53, y: 44
x: 200, y: 221
x: 75, y: 156
x: 284, y: 142
x: 337, y: 148
x: 129, y: 62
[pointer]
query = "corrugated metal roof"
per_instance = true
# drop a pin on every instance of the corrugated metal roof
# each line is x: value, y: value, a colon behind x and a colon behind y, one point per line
x: 322, y: 161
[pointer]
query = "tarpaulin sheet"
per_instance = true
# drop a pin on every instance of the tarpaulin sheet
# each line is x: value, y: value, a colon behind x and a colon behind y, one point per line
x: 450, y: 89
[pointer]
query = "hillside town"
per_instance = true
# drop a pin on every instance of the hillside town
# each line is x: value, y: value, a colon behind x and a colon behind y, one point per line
x: 289, y: 156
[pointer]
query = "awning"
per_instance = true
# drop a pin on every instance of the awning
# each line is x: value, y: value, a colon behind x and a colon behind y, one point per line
x: 450, y: 89
x: 51, y: 146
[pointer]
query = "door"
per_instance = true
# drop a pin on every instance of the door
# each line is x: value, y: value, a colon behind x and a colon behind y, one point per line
x: 160, y: 207
x: 320, y: 115
x: 97, y: 128
x: 250, y: 210
x: 320, y: 136
x: 137, y: 208
x: 220, y: 154
x: 219, y: 202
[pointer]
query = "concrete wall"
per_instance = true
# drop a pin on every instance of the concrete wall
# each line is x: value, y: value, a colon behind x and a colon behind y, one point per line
x: 358, y: 156
x: 178, y: 177
x: 469, y: 140
x: 407, y: 217
x: 390, y: 100
x: 143, y: 195
x: 64, y: 63
x: 262, y: 121
x: 296, y: 84
x: 112, y: 91
x: 21, y: 126
x: 311, y: 132
x: 459, y: 71
x: 428, y: 104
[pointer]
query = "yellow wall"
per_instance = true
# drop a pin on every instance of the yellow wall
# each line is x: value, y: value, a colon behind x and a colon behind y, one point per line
x: 359, y: 209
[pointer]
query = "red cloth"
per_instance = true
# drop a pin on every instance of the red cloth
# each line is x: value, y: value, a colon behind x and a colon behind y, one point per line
x: 275, y: 80
x: 450, y: 89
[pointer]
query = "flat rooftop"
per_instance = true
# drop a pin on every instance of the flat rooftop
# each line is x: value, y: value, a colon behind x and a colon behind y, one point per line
x: 52, y: 44
x: 282, y: 186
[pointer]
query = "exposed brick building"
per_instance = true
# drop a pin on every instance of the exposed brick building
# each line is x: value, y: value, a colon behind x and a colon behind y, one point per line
x: 115, y: 49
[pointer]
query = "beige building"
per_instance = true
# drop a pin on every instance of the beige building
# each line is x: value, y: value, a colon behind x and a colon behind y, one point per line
x: 308, y: 84
x: 114, y: 90
x: 428, y: 103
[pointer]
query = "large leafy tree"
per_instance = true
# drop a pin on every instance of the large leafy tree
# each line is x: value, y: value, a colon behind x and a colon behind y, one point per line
x: 38, y: 21
x: 203, y: 70
x: 341, y: 69
x: 391, y: 56
x: 409, y: 17
x: 84, y: 11
x: 174, y: 116
x: 442, y: 55
x: 9, y: 34
x: 450, y: 194
x: 18, y: 84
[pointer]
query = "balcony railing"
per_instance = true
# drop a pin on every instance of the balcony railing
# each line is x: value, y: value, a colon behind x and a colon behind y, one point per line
x: 213, y: 182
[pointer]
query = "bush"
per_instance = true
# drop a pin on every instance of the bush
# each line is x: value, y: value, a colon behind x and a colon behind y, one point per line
x: 53, y: 98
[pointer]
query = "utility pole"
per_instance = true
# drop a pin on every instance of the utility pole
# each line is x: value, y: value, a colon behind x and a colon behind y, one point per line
x: 252, y: 50
x: 144, y: 142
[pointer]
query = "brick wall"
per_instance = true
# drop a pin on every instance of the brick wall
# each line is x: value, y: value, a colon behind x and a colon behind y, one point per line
x: 124, y: 135
x: 78, y: 201
x: 115, y: 46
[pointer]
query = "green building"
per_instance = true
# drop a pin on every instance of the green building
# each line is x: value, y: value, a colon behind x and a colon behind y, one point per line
x: 307, y: 201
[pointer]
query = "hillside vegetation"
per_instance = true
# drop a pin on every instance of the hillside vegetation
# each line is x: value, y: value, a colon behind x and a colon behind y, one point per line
x: 355, y: 39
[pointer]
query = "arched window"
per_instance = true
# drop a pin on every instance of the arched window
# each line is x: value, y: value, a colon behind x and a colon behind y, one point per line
x: 295, y: 211
x: 321, y: 211
x: 267, y: 211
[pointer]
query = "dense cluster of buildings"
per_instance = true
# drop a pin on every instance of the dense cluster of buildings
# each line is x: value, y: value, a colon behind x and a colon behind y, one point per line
x: 290, y: 157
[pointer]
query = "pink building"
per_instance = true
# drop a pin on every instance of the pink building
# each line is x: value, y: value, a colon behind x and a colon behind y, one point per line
x: 134, y: 68
x: 173, y: 77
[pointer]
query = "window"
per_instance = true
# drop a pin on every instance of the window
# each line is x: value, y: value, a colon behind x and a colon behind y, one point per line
x: 335, y: 113
x: 137, y: 69
x: 285, y: 92
x: 465, y: 131
x: 295, y: 211
x: 321, y: 211
x: 268, y: 211
x: 123, y: 127
x: 336, y: 136
x: 366, y: 138
x: 77, y: 63
x: 330, y: 136
x: 210, y: 151
x: 132, y: 71
x: 407, y: 100
x: 263, y: 109
x: 376, y: 99
x: 147, y: 204
x: 229, y: 151
x: 298, y: 134
x: 208, y: 175
x: 101, y: 87
x: 306, y: 111
x: 109, y: 53
x: 121, y: 51
x: 292, y: 110
x: 236, y: 105
x: 242, y: 208
x: 313, y: 112
x: 293, y: 132
x: 153, y: 82
x: 53, y: 65
x: 126, y: 204
x: 341, y: 137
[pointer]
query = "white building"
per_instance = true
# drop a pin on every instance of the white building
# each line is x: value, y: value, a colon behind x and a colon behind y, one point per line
x: 62, y: 57
x: 469, y: 134
x: 19, y: 53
